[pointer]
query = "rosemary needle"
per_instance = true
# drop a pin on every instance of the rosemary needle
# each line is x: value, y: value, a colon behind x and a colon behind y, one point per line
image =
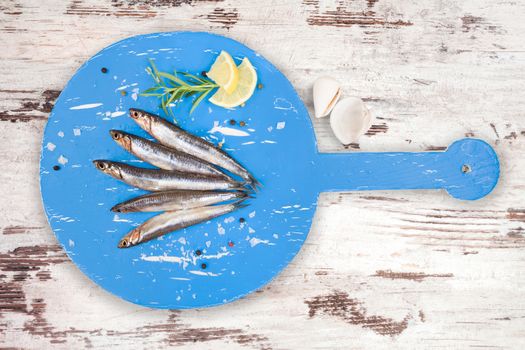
x: 174, y: 87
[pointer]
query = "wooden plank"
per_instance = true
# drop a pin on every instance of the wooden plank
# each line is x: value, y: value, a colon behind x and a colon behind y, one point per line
x: 379, y: 270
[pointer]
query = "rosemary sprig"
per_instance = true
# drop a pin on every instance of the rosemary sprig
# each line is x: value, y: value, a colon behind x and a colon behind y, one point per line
x: 172, y: 87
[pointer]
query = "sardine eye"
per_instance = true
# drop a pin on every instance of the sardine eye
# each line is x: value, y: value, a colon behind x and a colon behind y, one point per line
x: 135, y: 114
x: 101, y: 165
x: 124, y: 243
x: 116, y: 135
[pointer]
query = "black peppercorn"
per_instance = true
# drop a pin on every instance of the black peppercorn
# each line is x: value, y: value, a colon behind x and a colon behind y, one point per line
x: 198, y: 252
x: 203, y: 265
x: 241, y: 220
x: 56, y: 167
x: 104, y: 70
x: 232, y: 122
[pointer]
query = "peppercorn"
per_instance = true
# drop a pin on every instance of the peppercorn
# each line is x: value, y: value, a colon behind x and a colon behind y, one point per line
x: 56, y: 167
x: 104, y: 70
x: 203, y: 265
x: 232, y: 122
x: 242, y: 123
x: 198, y: 252
x: 241, y: 220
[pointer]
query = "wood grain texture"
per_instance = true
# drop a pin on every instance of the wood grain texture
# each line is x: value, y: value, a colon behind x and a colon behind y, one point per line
x: 381, y: 270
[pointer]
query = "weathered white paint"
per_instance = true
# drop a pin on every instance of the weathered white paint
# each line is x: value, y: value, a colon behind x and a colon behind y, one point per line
x: 227, y: 130
x: 86, y: 106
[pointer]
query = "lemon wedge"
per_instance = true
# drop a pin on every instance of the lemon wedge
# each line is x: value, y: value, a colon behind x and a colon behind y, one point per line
x: 245, y: 87
x: 224, y: 72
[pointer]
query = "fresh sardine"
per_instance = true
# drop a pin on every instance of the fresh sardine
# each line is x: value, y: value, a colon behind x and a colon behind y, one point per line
x: 173, y: 220
x: 162, y: 180
x: 172, y: 136
x: 176, y: 200
x: 162, y: 156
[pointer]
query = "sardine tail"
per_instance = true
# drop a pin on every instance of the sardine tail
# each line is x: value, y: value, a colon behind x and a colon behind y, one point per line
x: 240, y: 204
x: 253, y: 183
x: 242, y: 189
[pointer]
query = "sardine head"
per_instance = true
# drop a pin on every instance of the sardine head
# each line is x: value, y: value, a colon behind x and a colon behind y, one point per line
x: 130, y: 239
x: 108, y: 167
x: 117, y: 208
x: 142, y: 118
x: 101, y: 165
x: 121, y: 138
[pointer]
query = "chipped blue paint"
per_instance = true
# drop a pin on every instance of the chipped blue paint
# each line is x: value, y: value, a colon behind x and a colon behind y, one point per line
x: 277, y: 145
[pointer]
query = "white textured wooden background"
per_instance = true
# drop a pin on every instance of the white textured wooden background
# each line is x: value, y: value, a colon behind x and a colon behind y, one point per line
x: 381, y: 270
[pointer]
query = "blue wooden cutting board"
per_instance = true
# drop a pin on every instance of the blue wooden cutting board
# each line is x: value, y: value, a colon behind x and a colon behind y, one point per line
x: 277, y: 144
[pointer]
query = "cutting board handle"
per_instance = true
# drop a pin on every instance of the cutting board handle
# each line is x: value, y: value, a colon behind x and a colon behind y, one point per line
x: 467, y: 170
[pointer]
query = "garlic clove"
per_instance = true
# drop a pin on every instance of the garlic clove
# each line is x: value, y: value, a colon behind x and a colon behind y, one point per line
x: 350, y: 119
x: 326, y: 93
